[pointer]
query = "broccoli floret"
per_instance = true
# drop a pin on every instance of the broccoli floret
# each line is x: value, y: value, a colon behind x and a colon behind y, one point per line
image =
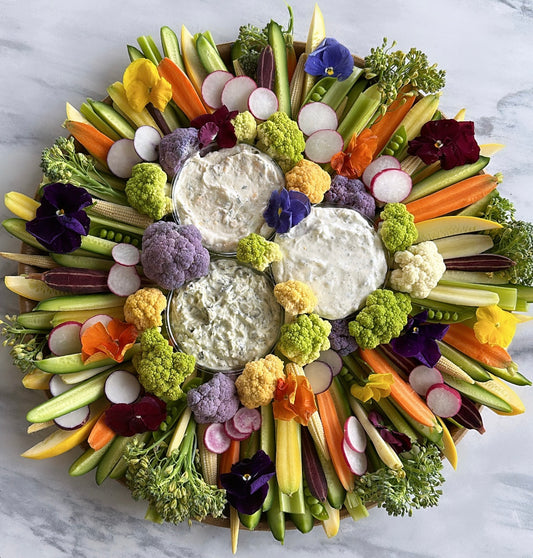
x: 351, y: 192
x: 302, y: 340
x: 214, y: 401
x: 397, y: 228
x: 161, y: 371
x: 175, y: 148
x: 245, y: 126
x: 258, y: 252
x: 280, y: 138
x: 381, y: 319
x: 146, y: 190
x: 173, y: 254
x: 340, y: 339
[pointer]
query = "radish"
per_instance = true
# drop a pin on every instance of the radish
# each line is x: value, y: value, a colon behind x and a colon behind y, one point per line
x: 89, y: 322
x: 422, y: 378
x: 333, y: 359
x: 122, y: 386
x: 126, y: 254
x: 216, y: 439
x: 354, y: 434
x: 443, y: 400
x: 322, y: 145
x: 64, y: 339
x: 377, y: 165
x: 146, y: 143
x: 122, y: 157
x: 247, y: 420
x: 212, y: 87
x: 233, y: 432
x: 236, y: 92
x: 317, y: 116
x: 319, y: 375
x: 73, y: 420
x: 357, y: 461
x: 123, y: 280
x: 57, y: 385
x: 391, y: 185
x: 262, y: 103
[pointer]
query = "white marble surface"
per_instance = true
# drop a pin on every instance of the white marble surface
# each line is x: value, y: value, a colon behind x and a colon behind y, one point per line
x: 68, y: 50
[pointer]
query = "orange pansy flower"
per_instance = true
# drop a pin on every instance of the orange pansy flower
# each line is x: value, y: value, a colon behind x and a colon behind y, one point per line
x: 111, y: 341
x: 358, y: 155
x: 293, y: 399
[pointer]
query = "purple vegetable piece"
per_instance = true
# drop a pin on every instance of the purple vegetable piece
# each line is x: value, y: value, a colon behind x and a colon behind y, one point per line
x: 176, y: 147
x: 214, y: 401
x: 340, y: 339
x: 351, y: 192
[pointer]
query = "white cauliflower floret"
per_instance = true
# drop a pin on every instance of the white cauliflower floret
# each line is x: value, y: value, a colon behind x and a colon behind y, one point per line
x: 418, y: 269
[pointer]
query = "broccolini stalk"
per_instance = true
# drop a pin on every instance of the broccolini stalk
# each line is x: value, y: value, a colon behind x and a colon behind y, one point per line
x: 61, y: 163
x: 26, y: 344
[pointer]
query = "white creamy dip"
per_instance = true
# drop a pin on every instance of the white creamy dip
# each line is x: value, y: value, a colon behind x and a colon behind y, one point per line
x: 225, y: 193
x: 227, y: 318
x: 338, y: 254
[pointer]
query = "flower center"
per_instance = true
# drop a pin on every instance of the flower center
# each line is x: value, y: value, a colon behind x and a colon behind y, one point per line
x: 438, y: 144
x: 247, y: 476
x: 60, y: 212
x: 330, y: 70
x: 416, y: 329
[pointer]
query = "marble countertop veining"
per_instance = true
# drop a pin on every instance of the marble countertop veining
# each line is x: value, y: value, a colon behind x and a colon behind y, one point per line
x: 69, y: 50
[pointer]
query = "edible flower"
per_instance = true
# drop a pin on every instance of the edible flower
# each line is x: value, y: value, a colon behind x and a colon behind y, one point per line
x: 144, y: 85
x: 60, y: 221
x: 399, y: 441
x: 419, y: 339
x: 358, y: 155
x: 111, y: 341
x: 286, y: 209
x: 127, y: 419
x: 247, y: 483
x: 495, y: 326
x: 330, y: 59
x: 216, y: 128
x: 376, y: 387
x: 293, y: 399
x: 447, y: 140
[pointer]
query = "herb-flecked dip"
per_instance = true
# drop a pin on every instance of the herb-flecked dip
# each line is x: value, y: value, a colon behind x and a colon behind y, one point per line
x: 227, y: 318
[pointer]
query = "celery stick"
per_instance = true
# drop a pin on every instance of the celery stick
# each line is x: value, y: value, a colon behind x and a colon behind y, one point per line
x: 149, y: 48
x: 295, y: 503
x: 98, y: 122
x: 360, y: 114
x: 339, y: 89
x: 507, y: 295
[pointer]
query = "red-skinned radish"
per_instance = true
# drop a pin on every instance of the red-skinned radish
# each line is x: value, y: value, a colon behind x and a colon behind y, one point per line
x: 216, y: 439
x: 322, y: 145
x: 317, y: 116
x: 236, y: 92
x: 247, y: 420
x: 126, y: 254
x: 233, y: 432
x: 57, y: 386
x: 319, y: 375
x: 357, y: 461
x: 103, y: 318
x: 377, y: 165
x: 122, y: 386
x: 122, y: 157
x: 73, y: 420
x: 354, y: 434
x: 123, y: 280
x: 64, y: 339
x: 332, y: 358
x: 262, y: 103
x: 443, y: 400
x: 212, y: 87
x: 423, y: 377
x: 391, y: 185
x: 146, y: 143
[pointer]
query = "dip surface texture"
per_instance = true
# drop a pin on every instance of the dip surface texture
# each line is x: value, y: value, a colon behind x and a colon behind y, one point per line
x: 225, y: 194
x: 227, y: 318
x: 338, y: 254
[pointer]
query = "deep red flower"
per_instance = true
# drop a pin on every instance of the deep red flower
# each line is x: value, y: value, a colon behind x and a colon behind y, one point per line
x: 216, y: 128
x: 127, y: 419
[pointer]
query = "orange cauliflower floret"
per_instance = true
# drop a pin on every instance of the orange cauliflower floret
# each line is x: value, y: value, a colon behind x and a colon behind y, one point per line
x: 257, y: 383
x: 295, y: 297
x: 143, y: 308
x: 310, y: 179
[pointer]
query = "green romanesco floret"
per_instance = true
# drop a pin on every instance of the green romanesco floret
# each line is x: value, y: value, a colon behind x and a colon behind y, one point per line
x: 381, y: 319
x: 161, y: 371
x: 302, y: 340
x: 397, y: 228
x: 245, y: 126
x: 146, y: 190
x: 258, y: 252
x: 280, y: 138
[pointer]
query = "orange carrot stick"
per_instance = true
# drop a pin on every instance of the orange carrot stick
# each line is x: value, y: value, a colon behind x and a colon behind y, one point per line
x: 100, y: 434
x: 228, y: 458
x: 183, y: 91
x: 453, y: 197
x: 401, y: 391
x: 96, y: 143
x: 334, y: 434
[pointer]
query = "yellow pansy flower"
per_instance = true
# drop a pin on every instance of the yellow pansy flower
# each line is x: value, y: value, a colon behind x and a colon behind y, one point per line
x: 495, y: 326
x: 376, y: 387
x: 144, y: 85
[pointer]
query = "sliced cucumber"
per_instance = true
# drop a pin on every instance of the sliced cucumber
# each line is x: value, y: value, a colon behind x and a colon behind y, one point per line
x: 111, y: 117
x: 134, y: 53
x: 111, y: 458
x: 36, y: 320
x: 88, y: 112
x: 83, y: 262
x: 81, y: 302
x: 171, y: 46
x: 478, y: 394
x: 281, y: 76
x: 87, y: 461
x: 97, y: 245
x: 209, y: 55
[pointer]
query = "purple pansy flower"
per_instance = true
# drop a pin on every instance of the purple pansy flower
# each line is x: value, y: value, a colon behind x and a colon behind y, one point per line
x: 330, y: 59
x: 399, y: 441
x: 127, y: 419
x: 60, y: 221
x: 286, y: 208
x: 216, y: 128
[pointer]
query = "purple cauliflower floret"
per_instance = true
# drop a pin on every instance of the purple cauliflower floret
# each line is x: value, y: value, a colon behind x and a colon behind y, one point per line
x: 173, y: 254
x: 175, y: 148
x: 214, y: 401
x: 351, y: 192
x: 340, y: 339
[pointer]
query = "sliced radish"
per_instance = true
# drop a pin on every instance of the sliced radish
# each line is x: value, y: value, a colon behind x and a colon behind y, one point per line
x: 355, y: 434
x: 322, y: 145
x: 317, y: 116
x: 122, y: 157
x: 64, y: 339
x: 57, y: 385
x: 89, y: 322
x: 216, y: 439
x: 233, y: 432
x: 126, y: 254
x: 212, y: 87
x: 123, y: 280
x: 122, y: 386
x: 146, y: 143
x: 377, y: 165
x: 333, y: 359
x: 422, y: 378
x: 262, y: 103
x: 319, y: 375
x: 443, y: 400
x: 74, y: 420
x: 247, y: 420
x: 357, y: 461
x: 236, y: 92
x: 391, y: 185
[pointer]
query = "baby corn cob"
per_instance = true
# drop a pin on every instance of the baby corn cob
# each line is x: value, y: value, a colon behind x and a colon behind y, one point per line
x: 288, y: 456
x: 208, y: 459
x: 448, y: 367
x: 122, y: 213
x: 35, y: 260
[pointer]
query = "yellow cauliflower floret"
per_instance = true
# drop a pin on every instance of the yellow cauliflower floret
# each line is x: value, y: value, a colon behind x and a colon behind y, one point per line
x: 310, y: 179
x: 257, y: 383
x: 295, y: 297
x: 143, y: 308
